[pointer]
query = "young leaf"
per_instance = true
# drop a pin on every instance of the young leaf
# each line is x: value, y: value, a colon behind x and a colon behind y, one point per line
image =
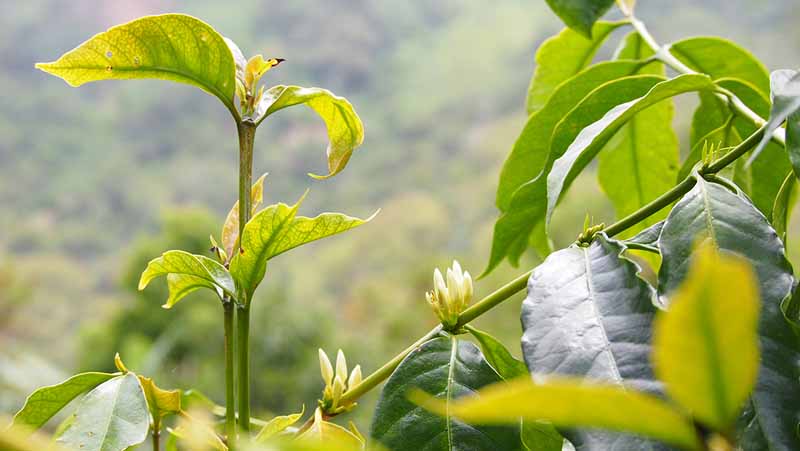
x: 711, y: 212
x: 580, y: 15
x: 591, y: 139
x: 645, y: 150
x: 561, y: 57
x: 277, y: 425
x: 345, y: 130
x: 785, y: 92
x: 448, y: 368
x: 186, y: 273
x: 112, y: 417
x: 275, y: 230
x: 230, y: 229
x: 571, y: 403
x: 160, y: 402
x: 326, y: 433
x: 784, y: 203
x: 45, y: 402
x: 706, y: 347
x: 594, y: 294
x: 172, y: 47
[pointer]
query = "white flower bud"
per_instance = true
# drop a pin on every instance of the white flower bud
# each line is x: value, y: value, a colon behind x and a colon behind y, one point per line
x: 355, y: 377
x: 325, y: 367
x: 449, y: 299
x: 341, y: 365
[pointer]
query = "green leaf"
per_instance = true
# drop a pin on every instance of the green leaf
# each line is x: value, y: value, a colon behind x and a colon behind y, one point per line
x: 186, y: 273
x: 275, y: 230
x: 647, y: 239
x: 329, y: 434
x: 277, y: 425
x: 580, y: 15
x: 561, y: 57
x: 784, y: 203
x: 640, y: 162
x: 230, y: 229
x: 706, y: 347
x: 172, y: 47
x: 594, y: 137
x: 112, y: 417
x: 497, y: 355
x: 45, y: 402
x: 21, y: 438
x: 594, y: 294
x: 785, y: 92
x: 345, y: 130
x: 160, y: 402
x: 711, y: 212
x: 448, y: 368
x: 572, y: 403
x: 529, y: 154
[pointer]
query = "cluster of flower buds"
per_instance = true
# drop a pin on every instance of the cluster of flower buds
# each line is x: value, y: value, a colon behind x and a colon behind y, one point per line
x: 449, y: 299
x: 336, y: 383
x: 246, y: 89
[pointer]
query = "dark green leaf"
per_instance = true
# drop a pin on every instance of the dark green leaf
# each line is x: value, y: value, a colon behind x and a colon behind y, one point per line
x: 588, y: 314
x: 45, y: 402
x: 112, y: 417
x: 172, y: 47
x: 186, y: 273
x: 711, y: 212
x: 580, y: 15
x: 562, y: 56
x: 447, y: 368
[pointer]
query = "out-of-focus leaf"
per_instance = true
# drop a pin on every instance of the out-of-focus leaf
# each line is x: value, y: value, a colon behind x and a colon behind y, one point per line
x: 571, y: 403
x: 277, y: 425
x: 186, y: 273
x: 705, y: 348
x: 785, y: 92
x: 561, y: 57
x: 588, y: 314
x: 784, y: 203
x: 45, y: 402
x: 326, y: 433
x: 22, y: 438
x: 448, y: 368
x: 172, y: 47
x: 112, y: 417
x: 580, y: 15
x: 345, y: 130
x: 230, y: 229
x: 712, y: 213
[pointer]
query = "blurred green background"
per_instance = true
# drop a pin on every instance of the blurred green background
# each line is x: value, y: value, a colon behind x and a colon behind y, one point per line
x: 95, y: 182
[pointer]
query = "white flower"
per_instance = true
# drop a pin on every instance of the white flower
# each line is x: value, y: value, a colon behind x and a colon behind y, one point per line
x: 449, y: 299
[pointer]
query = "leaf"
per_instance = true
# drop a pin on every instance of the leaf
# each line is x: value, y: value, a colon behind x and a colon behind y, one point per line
x: 230, y: 229
x: 645, y: 150
x: 186, y: 273
x: 784, y: 203
x: 21, y: 438
x: 562, y: 56
x: 785, y: 92
x: 160, y: 402
x: 330, y: 434
x: 706, y: 347
x: 45, y: 402
x: 647, y: 239
x: 345, y: 130
x: 592, y: 138
x: 529, y: 202
x: 275, y: 230
x: 588, y: 314
x: 572, y: 403
x: 712, y: 213
x: 536, y: 435
x: 277, y: 425
x: 172, y: 47
x: 112, y: 417
x: 448, y: 368
x: 580, y: 15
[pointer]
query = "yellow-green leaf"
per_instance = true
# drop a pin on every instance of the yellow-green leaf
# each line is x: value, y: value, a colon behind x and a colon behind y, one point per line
x: 345, y: 130
x: 325, y: 432
x: 186, y: 273
x: 172, y: 47
x: 568, y: 402
x: 277, y: 425
x: 160, y: 402
x: 230, y: 229
x: 706, y: 345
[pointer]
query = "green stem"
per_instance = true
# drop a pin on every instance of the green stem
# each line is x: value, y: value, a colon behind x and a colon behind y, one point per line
x: 230, y: 392
x: 156, y: 434
x: 243, y: 342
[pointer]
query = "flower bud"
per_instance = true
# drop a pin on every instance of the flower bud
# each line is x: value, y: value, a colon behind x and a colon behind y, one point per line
x: 341, y: 365
x: 337, y: 383
x: 449, y: 299
x: 355, y: 377
x: 325, y: 367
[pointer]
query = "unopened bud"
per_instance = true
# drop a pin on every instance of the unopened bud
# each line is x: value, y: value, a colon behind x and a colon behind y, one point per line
x: 325, y: 367
x: 341, y: 365
x: 355, y: 377
x: 337, y: 383
x: 449, y: 299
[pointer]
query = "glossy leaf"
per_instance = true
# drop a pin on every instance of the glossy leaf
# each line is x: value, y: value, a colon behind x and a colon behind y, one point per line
x: 712, y: 213
x: 345, y: 130
x: 277, y: 425
x: 186, y: 273
x: 721, y: 58
x: 785, y: 92
x: 706, y: 347
x: 275, y: 230
x: 448, y: 368
x: 580, y: 15
x: 588, y: 314
x: 172, y: 47
x: 572, y: 403
x: 640, y: 162
x: 112, y: 417
x: 45, y: 402
x: 230, y: 229
x: 592, y: 138
x: 561, y: 57
x: 784, y: 203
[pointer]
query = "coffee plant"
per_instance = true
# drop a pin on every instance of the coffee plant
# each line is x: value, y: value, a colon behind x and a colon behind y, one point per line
x: 703, y: 355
